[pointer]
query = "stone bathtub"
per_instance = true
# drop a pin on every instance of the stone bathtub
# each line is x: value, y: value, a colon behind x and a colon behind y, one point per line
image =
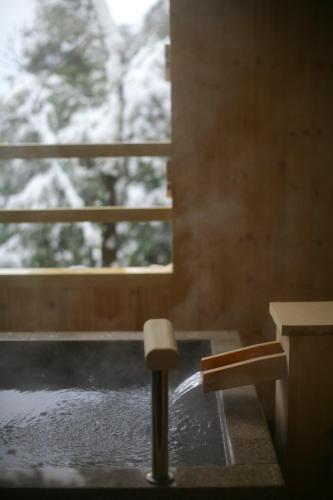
x: 75, y: 416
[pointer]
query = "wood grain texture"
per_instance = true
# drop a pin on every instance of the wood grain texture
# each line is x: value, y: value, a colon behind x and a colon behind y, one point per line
x: 252, y: 178
x: 33, y: 151
x: 252, y: 125
x: 161, y: 350
x: 252, y: 371
x: 303, y: 318
x: 240, y: 355
x: 304, y: 406
x: 86, y: 214
x: 87, y: 276
x: 82, y: 299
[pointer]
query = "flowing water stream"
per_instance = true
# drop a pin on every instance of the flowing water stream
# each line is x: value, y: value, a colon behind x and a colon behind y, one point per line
x: 188, y: 385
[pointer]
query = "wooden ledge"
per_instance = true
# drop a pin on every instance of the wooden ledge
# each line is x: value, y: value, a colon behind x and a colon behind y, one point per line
x: 303, y: 318
x: 79, y: 276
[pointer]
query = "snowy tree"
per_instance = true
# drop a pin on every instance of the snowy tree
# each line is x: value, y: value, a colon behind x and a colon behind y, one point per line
x: 83, y: 79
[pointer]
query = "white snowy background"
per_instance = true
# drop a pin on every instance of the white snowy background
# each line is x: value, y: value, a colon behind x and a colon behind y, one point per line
x: 52, y: 183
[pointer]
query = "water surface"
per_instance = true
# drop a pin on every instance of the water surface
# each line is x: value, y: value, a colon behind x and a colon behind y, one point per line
x: 92, y: 406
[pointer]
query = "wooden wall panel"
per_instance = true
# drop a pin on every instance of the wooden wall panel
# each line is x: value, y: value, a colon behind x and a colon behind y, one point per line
x: 129, y: 308
x: 75, y: 303
x: 252, y: 84
x: 4, y: 310
x: 252, y: 180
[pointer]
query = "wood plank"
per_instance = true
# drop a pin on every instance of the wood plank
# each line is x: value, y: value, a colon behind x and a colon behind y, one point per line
x: 34, y: 151
x: 81, y: 277
x: 87, y: 214
x: 261, y: 369
x: 81, y: 306
x: 239, y: 355
x: 167, y: 55
x: 236, y: 149
x: 4, y: 309
x: 309, y: 414
x: 303, y: 318
x: 304, y: 408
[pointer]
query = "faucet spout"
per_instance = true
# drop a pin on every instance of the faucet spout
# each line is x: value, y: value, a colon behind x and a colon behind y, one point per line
x: 161, y: 355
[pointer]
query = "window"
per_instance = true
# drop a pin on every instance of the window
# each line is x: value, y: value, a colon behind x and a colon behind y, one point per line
x: 74, y: 74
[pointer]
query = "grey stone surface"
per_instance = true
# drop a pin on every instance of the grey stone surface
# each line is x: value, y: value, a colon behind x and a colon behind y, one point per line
x: 252, y: 472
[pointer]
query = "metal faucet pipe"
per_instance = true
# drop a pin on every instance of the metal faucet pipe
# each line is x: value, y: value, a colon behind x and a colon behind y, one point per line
x: 160, y: 454
x: 161, y: 354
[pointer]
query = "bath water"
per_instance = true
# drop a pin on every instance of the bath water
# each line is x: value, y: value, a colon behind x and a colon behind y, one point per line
x: 104, y: 418
x: 111, y: 428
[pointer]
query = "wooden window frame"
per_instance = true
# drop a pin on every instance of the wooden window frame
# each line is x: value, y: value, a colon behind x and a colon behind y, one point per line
x: 105, y: 214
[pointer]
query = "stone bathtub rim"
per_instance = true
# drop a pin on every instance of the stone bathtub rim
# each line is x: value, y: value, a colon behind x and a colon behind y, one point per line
x: 252, y: 461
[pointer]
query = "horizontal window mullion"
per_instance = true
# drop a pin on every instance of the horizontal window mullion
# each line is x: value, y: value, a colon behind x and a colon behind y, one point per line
x: 34, y: 151
x: 86, y: 214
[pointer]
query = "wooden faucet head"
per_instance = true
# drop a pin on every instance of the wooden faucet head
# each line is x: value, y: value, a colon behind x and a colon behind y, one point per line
x: 161, y: 351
